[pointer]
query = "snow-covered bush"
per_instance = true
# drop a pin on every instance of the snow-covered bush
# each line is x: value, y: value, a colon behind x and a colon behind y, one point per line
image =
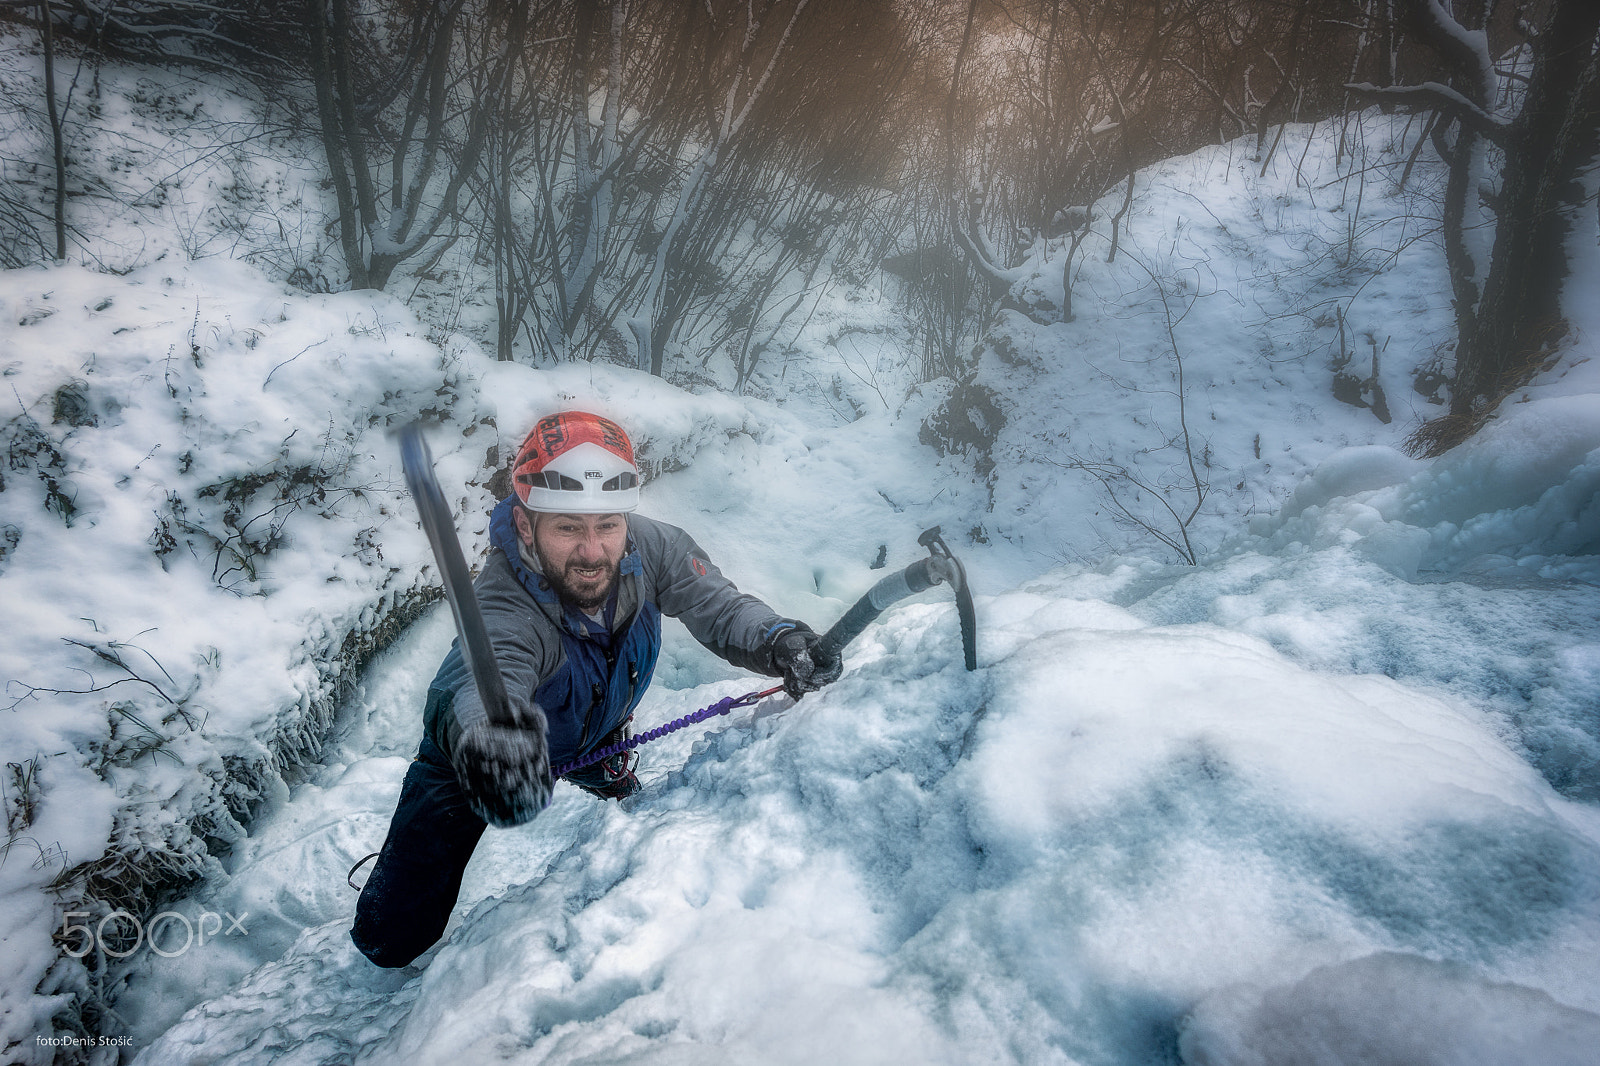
x: 189, y: 447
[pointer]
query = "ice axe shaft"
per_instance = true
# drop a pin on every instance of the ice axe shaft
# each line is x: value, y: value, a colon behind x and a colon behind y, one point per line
x: 940, y: 565
x: 440, y: 527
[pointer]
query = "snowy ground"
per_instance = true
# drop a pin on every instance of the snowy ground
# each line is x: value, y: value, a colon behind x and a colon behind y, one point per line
x: 1328, y: 796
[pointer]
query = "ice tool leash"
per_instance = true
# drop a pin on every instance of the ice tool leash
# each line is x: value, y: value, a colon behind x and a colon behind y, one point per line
x: 722, y: 706
x: 940, y: 566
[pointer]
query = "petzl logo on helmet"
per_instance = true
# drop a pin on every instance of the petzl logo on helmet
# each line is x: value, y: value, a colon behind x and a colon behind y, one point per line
x: 595, y: 474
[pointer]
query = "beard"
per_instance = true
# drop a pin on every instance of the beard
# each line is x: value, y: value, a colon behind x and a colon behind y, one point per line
x: 586, y: 594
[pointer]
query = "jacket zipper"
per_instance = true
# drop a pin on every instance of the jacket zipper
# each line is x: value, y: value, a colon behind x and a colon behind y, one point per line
x: 597, y: 696
x: 597, y: 699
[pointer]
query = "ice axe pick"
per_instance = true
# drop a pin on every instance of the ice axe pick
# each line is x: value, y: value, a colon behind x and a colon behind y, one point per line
x: 941, y: 565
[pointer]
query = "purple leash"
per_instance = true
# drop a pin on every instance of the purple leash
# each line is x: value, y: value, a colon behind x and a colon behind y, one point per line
x: 722, y: 706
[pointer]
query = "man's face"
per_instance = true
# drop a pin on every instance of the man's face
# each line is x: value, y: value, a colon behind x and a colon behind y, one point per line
x: 580, y: 553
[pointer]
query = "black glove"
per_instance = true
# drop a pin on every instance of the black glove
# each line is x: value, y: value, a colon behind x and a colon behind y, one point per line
x: 504, y: 770
x: 798, y: 655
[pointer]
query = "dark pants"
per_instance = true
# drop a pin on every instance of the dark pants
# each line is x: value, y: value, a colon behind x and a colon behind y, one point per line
x: 406, y: 903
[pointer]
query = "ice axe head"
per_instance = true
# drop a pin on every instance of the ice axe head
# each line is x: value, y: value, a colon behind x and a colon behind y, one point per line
x: 942, y: 564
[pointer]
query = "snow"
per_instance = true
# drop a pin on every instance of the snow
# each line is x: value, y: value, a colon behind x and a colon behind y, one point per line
x: 1275, y: 807
x: 1390, y: 1009
x: 1327, y: 796
x: 1257, y: 275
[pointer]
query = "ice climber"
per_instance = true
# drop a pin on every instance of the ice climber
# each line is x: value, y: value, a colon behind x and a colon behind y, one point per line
x: 572, y: 594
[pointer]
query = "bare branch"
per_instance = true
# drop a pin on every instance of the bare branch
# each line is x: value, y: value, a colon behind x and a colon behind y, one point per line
x: 1440, y: 97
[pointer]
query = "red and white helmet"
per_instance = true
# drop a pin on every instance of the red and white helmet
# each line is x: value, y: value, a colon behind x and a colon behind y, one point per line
x: 576, y: 463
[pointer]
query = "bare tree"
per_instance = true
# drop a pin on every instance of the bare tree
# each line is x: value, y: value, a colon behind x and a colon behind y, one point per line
x: 242, y: 36
x: 667, y: 175
x: 1084, y: 95
x: 763, y: 34
x: 449, y: 101
x: 1508, y: 315
x: 1164, y: 505
x: 550, y: 183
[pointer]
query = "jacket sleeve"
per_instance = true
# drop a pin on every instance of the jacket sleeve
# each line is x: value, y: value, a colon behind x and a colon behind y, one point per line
x: 518, y: 649
x: 733, y: 624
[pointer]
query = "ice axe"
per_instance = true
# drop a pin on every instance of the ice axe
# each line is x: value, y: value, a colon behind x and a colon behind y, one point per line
x: 940, y: 566
x: 417, y: 461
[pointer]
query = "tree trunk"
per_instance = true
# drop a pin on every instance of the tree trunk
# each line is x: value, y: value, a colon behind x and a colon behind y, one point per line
x: 1519, y: 315
x: 1508, y: 316
x: 57, y: 138
x: 350, y: 229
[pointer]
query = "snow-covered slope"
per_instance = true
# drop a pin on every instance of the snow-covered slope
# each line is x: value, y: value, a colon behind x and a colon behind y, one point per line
x: 205, y: 535
x: 1326, y: 797
x: 1235, y: 304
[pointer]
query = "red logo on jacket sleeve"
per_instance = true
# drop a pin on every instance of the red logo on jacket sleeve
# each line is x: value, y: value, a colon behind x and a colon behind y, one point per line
x: 697, y: 566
